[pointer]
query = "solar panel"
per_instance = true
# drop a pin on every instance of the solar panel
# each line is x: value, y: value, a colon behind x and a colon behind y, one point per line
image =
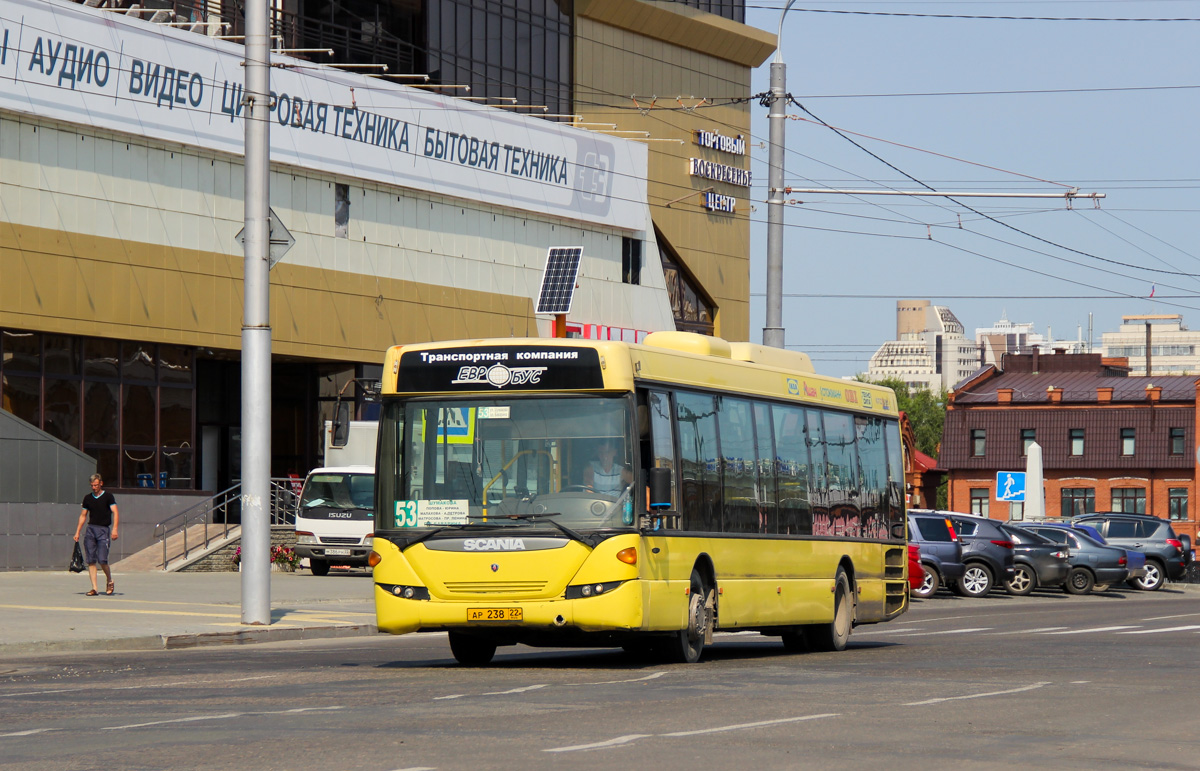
x: 558, y: 282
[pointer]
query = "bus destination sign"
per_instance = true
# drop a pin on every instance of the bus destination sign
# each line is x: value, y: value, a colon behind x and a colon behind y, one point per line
x: 500, y: 368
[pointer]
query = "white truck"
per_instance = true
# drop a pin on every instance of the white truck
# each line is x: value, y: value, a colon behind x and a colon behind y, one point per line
x: 335, y: 516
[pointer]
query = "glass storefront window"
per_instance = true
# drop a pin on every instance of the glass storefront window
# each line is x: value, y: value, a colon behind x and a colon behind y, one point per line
x: 174, y: 364
x: 62, y: 410
x: 176, y: 470
x: 101, y: 358
x: 175, y: 416
x: 22, y: 396
x: 137, y: 361
x: 62, y: 355
x: 22, y: 352
x: 137, y: 415
x: 100, y: 411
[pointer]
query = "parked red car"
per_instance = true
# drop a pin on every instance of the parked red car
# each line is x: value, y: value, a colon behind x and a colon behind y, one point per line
x: 916, y: 573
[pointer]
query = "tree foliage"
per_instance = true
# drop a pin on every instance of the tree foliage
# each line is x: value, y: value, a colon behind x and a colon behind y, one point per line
x: 925, y: 409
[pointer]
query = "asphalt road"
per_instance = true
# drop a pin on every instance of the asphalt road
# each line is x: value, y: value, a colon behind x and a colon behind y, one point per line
x: 1047, y: 681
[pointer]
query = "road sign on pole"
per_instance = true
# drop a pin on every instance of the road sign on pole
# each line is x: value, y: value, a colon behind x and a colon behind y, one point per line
x: 281, y: 239
x: 1010, y: 486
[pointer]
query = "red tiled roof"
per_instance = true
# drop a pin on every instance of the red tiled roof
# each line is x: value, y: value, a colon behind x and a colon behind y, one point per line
x: 1077, y: 387
x: 922, y: 462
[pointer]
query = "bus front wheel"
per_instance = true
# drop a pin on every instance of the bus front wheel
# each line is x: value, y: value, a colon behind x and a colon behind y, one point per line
x: 686, y: 645
x: 834, y: 636
x: 471, y: 651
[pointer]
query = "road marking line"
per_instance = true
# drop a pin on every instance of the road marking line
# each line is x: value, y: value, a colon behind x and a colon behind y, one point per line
x: 452, y: 696
x: 1167, y: 629
x: 600, y: 745
x: 39, y: 693
x: 947, y: 631
x: 118, y: 610
x: 759, y: 724
x: 225, y: 716
x: 30, y: 732
x: 1035, y: 686
x: 889, y: 631
x: 516, y: 690
x: 1164, y: 618
x: 418, y: 768
x: 654, y: 676
x: 1095, y: 629
x: 1035, y: 631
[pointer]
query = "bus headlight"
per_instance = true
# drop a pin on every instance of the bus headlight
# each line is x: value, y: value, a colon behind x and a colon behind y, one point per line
x: 579, y: 591
x: 406, y: 592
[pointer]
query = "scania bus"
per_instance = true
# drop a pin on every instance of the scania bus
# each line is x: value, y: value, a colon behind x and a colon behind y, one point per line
x: 752, y: 495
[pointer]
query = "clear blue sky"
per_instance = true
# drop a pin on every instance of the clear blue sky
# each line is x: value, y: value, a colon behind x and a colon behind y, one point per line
x: 1137, y: 146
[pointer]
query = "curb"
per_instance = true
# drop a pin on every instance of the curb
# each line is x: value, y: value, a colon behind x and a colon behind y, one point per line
x: 158, y: 642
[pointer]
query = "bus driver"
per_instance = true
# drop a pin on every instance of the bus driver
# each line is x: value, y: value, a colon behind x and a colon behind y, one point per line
x: 604, y: 475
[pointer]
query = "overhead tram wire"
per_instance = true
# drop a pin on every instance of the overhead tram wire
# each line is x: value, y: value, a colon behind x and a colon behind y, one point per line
x: 985, y: 216
x: 981, y: 17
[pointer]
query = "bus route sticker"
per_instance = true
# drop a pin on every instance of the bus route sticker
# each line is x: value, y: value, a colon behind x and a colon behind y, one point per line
x: 421, y: 513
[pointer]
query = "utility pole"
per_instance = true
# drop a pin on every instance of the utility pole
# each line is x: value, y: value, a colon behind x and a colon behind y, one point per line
x: 773, y: 332
x: 256, y: 323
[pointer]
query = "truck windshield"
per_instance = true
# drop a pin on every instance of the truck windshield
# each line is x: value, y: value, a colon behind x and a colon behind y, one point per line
x: 338, y: 490
x: 506, y: 463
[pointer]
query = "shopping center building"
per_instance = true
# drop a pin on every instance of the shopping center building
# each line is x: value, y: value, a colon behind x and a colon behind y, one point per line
x: 418, y: 209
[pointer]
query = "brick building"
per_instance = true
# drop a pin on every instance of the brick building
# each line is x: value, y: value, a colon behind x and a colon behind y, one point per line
x: 1110, y: 442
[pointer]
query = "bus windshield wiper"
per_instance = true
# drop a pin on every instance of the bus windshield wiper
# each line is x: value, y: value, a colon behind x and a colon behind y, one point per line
x: 589, y: 541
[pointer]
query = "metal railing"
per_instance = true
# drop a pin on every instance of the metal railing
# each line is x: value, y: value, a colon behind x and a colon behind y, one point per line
x: 219, y: 515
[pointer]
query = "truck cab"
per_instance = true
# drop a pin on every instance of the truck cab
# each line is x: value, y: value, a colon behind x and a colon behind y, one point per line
x: 335, y: 517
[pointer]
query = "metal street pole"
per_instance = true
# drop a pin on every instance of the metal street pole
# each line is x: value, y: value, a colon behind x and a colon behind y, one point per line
x: 773, y: 331
x: 256, y: 323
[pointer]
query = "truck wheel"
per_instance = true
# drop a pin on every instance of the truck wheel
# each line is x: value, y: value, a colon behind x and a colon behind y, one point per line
x: 318, y: 567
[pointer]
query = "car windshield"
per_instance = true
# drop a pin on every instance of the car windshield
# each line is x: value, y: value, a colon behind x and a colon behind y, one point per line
x: 512, y: 463
x: 1025, y: 537
x: 339, y: 491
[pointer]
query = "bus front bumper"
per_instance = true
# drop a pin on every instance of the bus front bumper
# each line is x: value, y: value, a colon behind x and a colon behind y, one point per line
x: 619, y: 610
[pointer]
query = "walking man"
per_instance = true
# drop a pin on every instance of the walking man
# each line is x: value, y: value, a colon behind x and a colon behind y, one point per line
x: 100, y: 515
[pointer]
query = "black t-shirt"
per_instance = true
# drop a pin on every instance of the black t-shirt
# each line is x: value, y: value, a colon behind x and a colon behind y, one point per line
x: 99, y: 513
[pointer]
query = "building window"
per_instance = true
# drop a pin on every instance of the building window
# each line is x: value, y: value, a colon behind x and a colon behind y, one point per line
x: 631, y: 261
x: 341, y: 211
x: 1028, y: 437
x: 1131, y: 500
x: 1078, y: 500
x: 130, y: 405
x: 1177, y: 440
x: 1177, y: 503
x: 1127, y: 436
x: 693, y: 309
x: 979, y: 500
x: 978, y: 442
x: 1077, y: 441
x: 1016, y: 511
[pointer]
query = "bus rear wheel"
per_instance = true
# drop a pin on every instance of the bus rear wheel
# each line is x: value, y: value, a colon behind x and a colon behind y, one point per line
x: 834, y: 635
x: 686, y: 645
x: 471, y: 651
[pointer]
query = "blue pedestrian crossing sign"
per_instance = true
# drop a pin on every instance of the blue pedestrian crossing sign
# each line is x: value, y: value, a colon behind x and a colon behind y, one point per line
x: 1010, y: 486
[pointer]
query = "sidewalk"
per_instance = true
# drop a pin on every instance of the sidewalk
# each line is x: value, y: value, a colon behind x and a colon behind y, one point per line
x: 48, y: 612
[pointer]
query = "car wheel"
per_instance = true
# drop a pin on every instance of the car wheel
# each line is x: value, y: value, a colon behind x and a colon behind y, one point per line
x: 930, y: 585
x: 834, y: 636
x: 471, y: 651
x: 1023, y: 581
x: 1154, y: 578
x: 1079, y: 581
x: 976, y: 582
x: 318, y: 567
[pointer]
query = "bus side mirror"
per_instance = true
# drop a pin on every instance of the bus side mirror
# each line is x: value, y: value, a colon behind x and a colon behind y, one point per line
x: 659, y: 481
x: 341, y: 424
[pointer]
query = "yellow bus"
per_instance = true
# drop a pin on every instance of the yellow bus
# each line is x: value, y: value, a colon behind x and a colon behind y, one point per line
x: 569, y: 492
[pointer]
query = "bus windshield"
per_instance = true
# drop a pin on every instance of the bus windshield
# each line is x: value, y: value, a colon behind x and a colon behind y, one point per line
x: 506, y: 463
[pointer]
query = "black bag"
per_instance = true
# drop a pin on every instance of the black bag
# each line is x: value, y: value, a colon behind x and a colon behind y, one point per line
x: 77, y: 565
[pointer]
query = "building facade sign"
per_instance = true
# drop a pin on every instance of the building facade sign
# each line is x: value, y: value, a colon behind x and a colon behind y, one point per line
x: 718, y: 202
x: 72, y: 63
x: 716, y: 141
x: 719, y: 172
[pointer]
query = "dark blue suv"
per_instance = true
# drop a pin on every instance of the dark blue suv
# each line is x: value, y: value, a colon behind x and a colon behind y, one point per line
x: 941, y: 553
